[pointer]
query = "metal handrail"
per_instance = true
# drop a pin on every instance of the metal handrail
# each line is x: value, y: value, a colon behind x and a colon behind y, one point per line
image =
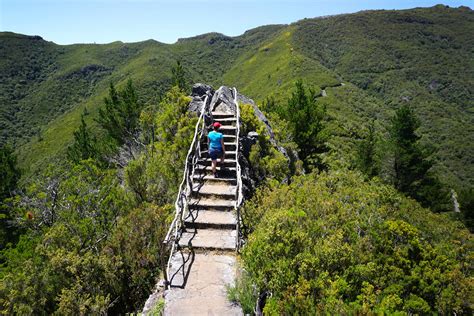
x: 185, y: 188
x: 239, y: 198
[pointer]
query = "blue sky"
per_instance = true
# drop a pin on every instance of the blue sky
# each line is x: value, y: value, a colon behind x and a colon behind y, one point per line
x: 104, y: 21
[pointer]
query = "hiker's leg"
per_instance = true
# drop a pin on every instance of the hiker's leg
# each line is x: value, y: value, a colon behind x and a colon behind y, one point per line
x: 214, y: 163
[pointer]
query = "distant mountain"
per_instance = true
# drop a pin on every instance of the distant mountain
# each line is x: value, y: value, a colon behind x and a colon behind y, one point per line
x: 422, y: 56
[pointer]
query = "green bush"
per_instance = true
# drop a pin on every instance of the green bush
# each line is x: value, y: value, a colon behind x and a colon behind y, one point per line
x: 249, y: 121
x: 267, y: 162
x: 332, y: 243
x: 86, y: 249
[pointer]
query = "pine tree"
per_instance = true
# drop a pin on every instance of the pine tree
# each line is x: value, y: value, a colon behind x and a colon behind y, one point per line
x: 367, y: 161
x: 9, y: 172
x: 178, y: 76
x: 9, y: 176
x: 84, y: 146
x: 121, y: 114
x: 411, y: 164
x: 308, y: 120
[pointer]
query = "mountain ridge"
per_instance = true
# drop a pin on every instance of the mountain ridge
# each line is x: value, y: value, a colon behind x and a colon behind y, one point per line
x: 322, y: 51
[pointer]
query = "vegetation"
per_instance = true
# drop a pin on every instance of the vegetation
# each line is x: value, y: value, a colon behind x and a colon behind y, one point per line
x: 333, y: 243
x: 155, y: 175
x: 407, y: 56
x: 307, y: 121
x: 178, y: 76
x: 9, y: 176
x: 411, y: 165
x: 9, y: 173
x: 367, y: 159
x: 419, y: 55
x: 120, y: 116
x: 89, y: 244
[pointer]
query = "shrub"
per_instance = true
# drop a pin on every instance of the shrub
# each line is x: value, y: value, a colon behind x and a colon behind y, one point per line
x: 332, y: 243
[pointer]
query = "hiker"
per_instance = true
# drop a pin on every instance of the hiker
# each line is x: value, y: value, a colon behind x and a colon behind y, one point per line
x: 215, y: 145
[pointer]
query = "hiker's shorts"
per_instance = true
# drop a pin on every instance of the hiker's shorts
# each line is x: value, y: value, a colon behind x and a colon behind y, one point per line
x: 215, y: 153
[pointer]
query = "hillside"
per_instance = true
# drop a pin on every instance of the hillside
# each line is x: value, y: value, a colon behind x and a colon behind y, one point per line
x: 385, y: 58
x: 422, y: 57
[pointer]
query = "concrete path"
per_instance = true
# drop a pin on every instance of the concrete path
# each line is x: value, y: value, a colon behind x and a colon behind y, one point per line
x: 205, y: 291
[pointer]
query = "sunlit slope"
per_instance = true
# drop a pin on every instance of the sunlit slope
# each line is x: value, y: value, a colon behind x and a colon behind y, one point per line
x: 273, y: 67
x: 271, y: 71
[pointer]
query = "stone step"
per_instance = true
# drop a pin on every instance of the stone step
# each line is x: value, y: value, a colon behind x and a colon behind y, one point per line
x: 231, y: 146
x: 227, y: 172
x: 220, y: 115
x: 228, y: 139
x: 206, y: 203
x: 209, y: 239
x: 202, y: 178
x: 226, y: 121
x: 215, y: 189
x: 228, y: 154
x: 227, y: 162
x: 228, y: 130
x: 203, y: 219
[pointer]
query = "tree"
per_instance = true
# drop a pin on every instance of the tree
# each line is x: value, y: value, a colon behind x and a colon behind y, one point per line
x: 9, y: 173
x: 9, y: 176
x: 466, y: 201
x: 178, y: 76
x: 121, y: 115
x: 84, y: 146
x: 308, y: 121
x: 411, y: 164
x: 367, y: 152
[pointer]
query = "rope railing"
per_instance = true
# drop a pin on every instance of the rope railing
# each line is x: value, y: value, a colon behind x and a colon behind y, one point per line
x: 185, y: 188
x: 239, y: 197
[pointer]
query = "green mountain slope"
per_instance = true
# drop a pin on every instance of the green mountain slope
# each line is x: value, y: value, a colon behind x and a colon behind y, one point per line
x: 384, y: 58
x: 69, y: 79
x: 420, y: 56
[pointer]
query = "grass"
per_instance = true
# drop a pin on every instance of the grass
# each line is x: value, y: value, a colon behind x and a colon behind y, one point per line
x: 243, y: 293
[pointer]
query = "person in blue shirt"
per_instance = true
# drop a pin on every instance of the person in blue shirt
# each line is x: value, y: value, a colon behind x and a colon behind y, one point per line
x: 215, y: 145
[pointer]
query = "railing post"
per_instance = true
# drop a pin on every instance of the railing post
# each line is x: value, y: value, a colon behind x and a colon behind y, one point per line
x: 238, y: 171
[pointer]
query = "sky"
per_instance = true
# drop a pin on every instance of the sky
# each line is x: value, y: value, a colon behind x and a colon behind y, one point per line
x: 105, y: 21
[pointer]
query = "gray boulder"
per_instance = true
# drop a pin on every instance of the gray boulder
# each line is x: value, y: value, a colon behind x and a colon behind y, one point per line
x: 223, y: 101
x: 201, y: 89
x: 246, y: 143
x: 196, y: 105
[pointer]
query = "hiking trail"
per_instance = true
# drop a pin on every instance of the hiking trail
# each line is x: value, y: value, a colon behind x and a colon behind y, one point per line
x: 204, y: 236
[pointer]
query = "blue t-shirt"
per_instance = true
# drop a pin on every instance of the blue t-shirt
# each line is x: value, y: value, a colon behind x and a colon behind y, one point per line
x: 215, y: 140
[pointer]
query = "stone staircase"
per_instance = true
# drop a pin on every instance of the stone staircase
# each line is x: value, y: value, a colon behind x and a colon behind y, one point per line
x: 211, y: 223
x: 205, y: 262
